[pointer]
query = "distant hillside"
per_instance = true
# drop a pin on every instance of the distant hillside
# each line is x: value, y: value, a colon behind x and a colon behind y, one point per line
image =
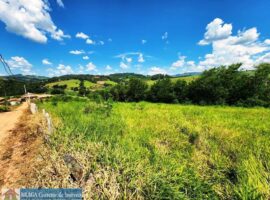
x: 26, y: 78
x: 187, y: 74
x: 71, y: 84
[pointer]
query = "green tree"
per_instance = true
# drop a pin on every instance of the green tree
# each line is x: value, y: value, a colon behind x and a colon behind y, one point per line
x: 162, y: 91
x: 136, y: 89
x: 262, y: 82
x: 180, y: 90
x: 119, y: 92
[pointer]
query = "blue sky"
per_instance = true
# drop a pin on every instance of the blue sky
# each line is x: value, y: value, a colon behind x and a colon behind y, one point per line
x: 58, y: 37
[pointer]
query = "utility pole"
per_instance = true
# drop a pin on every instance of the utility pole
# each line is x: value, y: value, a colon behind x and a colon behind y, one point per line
x: 25, y: 91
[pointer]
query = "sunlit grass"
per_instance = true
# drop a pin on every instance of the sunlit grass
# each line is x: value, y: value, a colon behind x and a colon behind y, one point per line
x: 72, y: 83
x: 161, y: 151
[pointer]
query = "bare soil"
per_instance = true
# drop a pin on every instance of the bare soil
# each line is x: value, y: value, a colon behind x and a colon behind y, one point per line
x: 20, y: 142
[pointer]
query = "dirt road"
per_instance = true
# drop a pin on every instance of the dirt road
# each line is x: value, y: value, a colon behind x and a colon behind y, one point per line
x: 20, y: 142
x: 8, y: 120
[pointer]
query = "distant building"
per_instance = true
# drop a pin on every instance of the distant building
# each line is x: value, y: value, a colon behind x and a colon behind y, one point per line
x: 14, y: 101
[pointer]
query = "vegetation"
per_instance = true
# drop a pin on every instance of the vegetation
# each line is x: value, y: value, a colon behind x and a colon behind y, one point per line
x: 4, y: 108
x: 160, y: 151
x: 218, y: 86
x: 12, y: 86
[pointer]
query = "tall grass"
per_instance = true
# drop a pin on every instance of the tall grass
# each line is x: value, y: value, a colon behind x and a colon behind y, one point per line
x: 158, y: 151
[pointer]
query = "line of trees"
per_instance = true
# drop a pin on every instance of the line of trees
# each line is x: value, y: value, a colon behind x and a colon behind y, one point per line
x: 11, y: 87
x: 218, y: 86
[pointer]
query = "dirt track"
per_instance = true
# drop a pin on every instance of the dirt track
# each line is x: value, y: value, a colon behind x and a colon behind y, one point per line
x: 8, y: 120
x: 20, y: 141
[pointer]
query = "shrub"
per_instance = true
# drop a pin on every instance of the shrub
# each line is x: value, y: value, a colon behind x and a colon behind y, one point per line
x: 4, y: 109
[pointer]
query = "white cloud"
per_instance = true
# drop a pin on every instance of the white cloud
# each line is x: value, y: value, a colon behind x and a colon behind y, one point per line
x: 89, y: 41
x: 164, y: 36
x: 82, y: 35
x: 45, y: 61
x: 108, y: 67
x: 182, y: 65
x: 144, y: 41
x: 60, y: 3
x: 156, y: 70
x: 101, y: 42
x: 77, y: 52
x: 245, y: 47
x: 129, y: 60
x: 216, y: 30
x: 30, y: 19
x: 21, y: 64
x: 90, y: 67
x: 64, y: 69
x: 123, y: 65
x: 81, y: 69
x: 180, y: 62
x: 110, y: 40
x: 85, y: 57
x: 267, y: 41
x: 140, y: 58
x: 60, y: 70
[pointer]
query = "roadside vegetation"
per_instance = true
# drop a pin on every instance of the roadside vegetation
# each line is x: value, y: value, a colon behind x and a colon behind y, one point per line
x: 159, y: 151
x: 4, y: 108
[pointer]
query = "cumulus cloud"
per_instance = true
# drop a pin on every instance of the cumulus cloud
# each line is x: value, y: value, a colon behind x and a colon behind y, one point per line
x: 60, y: 70
x: 144, y: 41
x: 91, y: 67
x: 89, y: 41
x: 244, y: 47
x: 82, y: 35
x: 123, y: 65
x: 140, y: 58
x: 156, y: 70
x: 87, y: 38
x: 64, y: 69
x: 45, y: 61
x: 267, y: 41
x: 182, y: 65
x: 77, y: 52
x: 180, y: 62
x: 60, y: 3
x: 30, y: 19
x: 85, y: 57
x: 216, y: 30
x: 129, y: 60
x: 108, y: 67
x: 20, y: 63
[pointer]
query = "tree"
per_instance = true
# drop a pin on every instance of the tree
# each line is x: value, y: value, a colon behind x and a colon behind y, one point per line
x: 82, y: 88
x: 119, y: 91
x: 162, y: 91
x: 136, y: 89
x: 262, y: 82
x: 180, y: 90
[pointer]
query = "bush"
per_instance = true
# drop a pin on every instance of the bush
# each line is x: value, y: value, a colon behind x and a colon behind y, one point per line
x: 4, y: 109
x: 57, y: 91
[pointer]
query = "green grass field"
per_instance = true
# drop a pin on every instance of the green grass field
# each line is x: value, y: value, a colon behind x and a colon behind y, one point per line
x: 161, y: 151
x: 71, y: 83
x: 75, y: 83
x: 184, y: 78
